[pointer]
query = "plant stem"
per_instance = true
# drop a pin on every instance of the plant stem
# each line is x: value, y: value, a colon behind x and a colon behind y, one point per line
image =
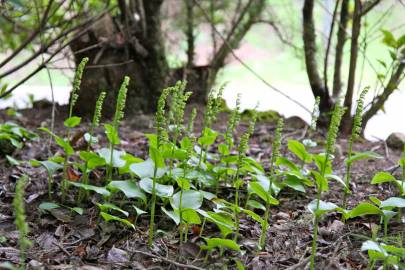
x: 152, y: 210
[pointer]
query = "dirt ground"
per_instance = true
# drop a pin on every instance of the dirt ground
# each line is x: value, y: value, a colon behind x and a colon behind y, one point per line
x: 64, y: 240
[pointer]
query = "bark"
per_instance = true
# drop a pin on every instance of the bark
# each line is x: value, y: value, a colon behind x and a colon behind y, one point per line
x: 309, y: 38
x: 326, y: 59
x: 378, y: 103
x: 190, y: 33
x: 138, y: 53
x: 341, y: 40
x: 348, y: 102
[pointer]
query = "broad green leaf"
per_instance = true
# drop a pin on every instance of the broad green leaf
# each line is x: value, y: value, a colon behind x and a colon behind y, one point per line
x: 48, y: 206
x: 61, y: 142
x: 189, y: 199
x: 117, y: 161
x: 324, y: 207
x: 139, y: 211
x: 190, y: 216
x: 183, y: 183
x: 265, y: 183
x: 364, y: 209
x: 171, y: 214
x: 253, y: 215
x: 371, y: 245
x: 13, y: 161
x: 221, y: 243
x: 112, y: 134
x: 72, y: 122
x: 223, y: 149
x: 282, y: 161
x: 393, y: 202
x: 129, y: 160
x: 323, y: 166
x: 321, y: 181
x: 299, y: 150
x: 258, y: 189
x: 146, y: 169
x: 336, y: 178
x: 389, y: 39
x: 399, y: 251
x: 208, y: 137
x: 294, y: 183
x: 108, y: 217
x: 50, y: 166
x: 100, y: 190
x: 129, y: 188
x: 256, y: 205
x: 208, y: 195
x: 152, y: 138
x: 382, y: 177
x: 93, y: 160
x: 78, y: 210
x: 156, y: 157
x: 109, y: 206
x: 161, y: 190
x: 90, y: 139
x: 224, y: 223
x: 362, y: 155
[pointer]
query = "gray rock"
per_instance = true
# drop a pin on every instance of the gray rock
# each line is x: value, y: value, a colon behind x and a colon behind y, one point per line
x: 295, y: 122
x: 116, y: 255
x: 396, y: 140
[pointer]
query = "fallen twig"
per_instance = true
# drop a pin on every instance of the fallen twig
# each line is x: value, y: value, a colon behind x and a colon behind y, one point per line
x: 168, y: 260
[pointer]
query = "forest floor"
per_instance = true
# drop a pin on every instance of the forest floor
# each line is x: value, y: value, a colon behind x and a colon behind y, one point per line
x: 64, y: 240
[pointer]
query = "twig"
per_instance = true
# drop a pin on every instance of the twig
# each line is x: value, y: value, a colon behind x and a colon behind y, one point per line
x: 168, y: 260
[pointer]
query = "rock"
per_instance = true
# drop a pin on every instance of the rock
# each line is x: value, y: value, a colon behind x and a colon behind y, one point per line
x: 396, y: 140
x: 35, y: 265
x: 295, y: 122
x: 116, y: 255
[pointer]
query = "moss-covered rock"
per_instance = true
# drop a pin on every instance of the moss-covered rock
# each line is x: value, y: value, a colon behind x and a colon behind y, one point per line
x: 262, y: 116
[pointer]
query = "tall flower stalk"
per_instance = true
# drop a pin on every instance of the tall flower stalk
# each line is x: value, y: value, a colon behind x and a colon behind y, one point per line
x: 71, y: 121
x: 274, y: 156
x: 112, y: 130
x: 330, y: 149
x: 237, y: 182
x: 20, y: 217
x: 95, y: 123
x: 162, y: 137
x: 356, y: 130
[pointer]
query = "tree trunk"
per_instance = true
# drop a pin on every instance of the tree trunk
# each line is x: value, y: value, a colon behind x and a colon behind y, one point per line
x: 309, y: 38
x: 341, y: 40
x: 347, y: 119
x: 136, y: 51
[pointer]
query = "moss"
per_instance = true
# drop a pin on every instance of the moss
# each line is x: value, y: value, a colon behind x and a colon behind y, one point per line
x: 262, y: 116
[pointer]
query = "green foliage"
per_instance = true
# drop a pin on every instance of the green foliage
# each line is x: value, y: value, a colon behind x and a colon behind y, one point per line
x: 20, y: 217
x: 13, y: 136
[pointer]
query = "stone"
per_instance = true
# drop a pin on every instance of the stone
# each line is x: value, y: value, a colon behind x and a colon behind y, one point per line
x: 295, y: 122
x: 116, y: 255
x: 396, y: 140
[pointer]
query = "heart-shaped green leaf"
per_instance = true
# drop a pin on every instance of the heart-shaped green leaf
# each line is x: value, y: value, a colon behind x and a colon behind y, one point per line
x: 189, y: 199
x: 72, y: 122
x: 129, y: 188
x: 100, y: 190
x: 161, y: 190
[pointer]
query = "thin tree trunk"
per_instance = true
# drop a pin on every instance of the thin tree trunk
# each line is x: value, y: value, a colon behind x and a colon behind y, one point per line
x: 309, y: 38
x: 190, y: 33
x: 346, y: 121
x: 326, y: 59
x: 393, y: 83
x: 341, y: 40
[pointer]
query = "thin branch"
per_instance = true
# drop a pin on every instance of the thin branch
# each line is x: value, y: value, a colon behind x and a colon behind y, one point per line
x: 247, y: 66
